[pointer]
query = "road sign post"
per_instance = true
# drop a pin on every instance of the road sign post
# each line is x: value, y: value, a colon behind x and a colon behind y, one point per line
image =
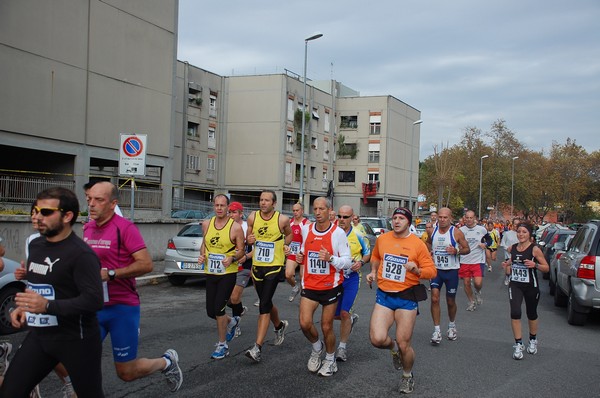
x: 132, y: 160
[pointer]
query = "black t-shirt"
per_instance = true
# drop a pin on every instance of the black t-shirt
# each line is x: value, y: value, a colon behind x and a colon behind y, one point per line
x: 519, y: 271
x: 68, y: 274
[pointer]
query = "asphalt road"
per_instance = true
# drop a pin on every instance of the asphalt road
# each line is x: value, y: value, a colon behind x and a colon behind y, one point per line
x: 478, y: 364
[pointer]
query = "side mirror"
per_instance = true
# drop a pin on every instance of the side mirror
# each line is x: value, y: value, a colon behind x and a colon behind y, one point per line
x: 542, y: 244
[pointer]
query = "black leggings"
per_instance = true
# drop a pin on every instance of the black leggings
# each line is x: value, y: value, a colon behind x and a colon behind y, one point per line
x: 218, y: 291
x: 519, y: 291
x: 265, y: 282
x: 36, y: 358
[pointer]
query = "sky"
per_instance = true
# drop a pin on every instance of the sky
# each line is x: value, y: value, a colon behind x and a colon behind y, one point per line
x: 464, y: 63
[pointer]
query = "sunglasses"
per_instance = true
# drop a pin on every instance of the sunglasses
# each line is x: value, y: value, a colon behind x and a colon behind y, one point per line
x: 344, y: 217
x: 45, y: 211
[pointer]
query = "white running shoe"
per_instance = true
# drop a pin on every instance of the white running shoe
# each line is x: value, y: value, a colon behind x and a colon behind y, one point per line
x: 436, y: 337
x: 294, y: 292
x: 451, y: 334
x: 341, y: 354
x: 506, y: 280
x: 173, y: 373
x: 280, y: 334
x: 532, y: 347
x: 6, y: 350
x: 254, y: 353
x: 257, y: 303
x: 407, y: 384
x: 396, y: 360
x: 353, y: 319
x: 314, y: 362
x: 471, y: 306
x: 478, y: 299
x: 328, y: 368
x: 518, y: 353
x: 68, y: 391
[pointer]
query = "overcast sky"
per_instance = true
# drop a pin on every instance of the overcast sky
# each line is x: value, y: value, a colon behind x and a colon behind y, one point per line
x: 462, y: 63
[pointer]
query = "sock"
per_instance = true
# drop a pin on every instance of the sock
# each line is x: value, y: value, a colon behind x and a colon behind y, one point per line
x: 318, y: 346
x: 237, y: 309
x: 280, y: 325
x: 330, y: 357
x: 259, y: 346
x: 223, y: 343
x: 342, y: 345
x: 67, y: 379
x: 519, y: 341
x: 436, y: 328
x: 451, y: 325
x: 168, y: 361
x: 407, y: 375
x: 532, y: 336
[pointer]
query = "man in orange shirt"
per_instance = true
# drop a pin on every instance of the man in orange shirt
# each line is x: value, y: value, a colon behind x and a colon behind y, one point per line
x: 398, y: 261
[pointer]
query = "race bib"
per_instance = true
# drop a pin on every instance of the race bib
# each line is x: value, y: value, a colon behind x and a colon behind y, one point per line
x: 294, y: 248
x: 442, y: 259
x: 519, y: 273
x: 264, y: 252
x: 316, y: 266
x: 215, y: 263
x: 41, y: 320
x: 393, y: 267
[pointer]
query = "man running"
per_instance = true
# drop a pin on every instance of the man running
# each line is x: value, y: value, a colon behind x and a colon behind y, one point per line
x: 472, y: 264
x: 398, y: 261
x: 124, y: 256
x: 324, y: 255
x: 360, y: 254
x: 447, y: 242
x: 270, y: 233
x: 59, y: 306
x: 491, y: 250
x: 222, y: 247
x: 290, y: 263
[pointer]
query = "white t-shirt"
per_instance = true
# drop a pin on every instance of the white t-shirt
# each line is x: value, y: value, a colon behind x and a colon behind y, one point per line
x: 473, y: 237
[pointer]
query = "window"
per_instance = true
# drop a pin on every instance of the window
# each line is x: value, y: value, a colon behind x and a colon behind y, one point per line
x: 315, y: 114
x: 347, y: 176
x: 325, y: 150
x: 326, y: 128
x: 374, y: 149
x: 194, y: 97
x: 298, y: 172
x: 290, y: 111
x: 192, y: 163
x: 192, y: 130
x: 373, y: 177
x: 212, y: 140
x: 289, y: 143
x: 210, y: 169
x: 314, y: 142
x: 212, y: 110
x: 349, y: 122
x: 375, y: 124
x: 288, y: 173
x: 312, y: 171
x: 325, y: 183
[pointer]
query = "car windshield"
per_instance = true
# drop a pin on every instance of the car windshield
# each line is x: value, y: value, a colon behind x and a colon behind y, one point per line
x: 191, y: 231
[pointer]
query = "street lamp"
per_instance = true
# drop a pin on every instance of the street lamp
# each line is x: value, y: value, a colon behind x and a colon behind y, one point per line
x: 481, y: 181
x: 412, y: 151
x: 512, y: 187
x: 313, y: 37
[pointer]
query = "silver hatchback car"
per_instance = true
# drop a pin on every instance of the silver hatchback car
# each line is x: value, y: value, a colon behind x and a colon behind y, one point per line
x: 181, y: 257
x: 9, y: 287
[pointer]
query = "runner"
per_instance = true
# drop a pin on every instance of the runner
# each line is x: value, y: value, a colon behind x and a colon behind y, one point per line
x: 124, y: 256
x: 473, y: 263
x: 398, y: 261
x: 271, y: 234
x: 508, y: 239
x: 290, y: 263
x: 324, y: 255
x: 222, y: 246
x: 525, y: 259
x: 447, y: 242
x: 64, y: 291
x: 236, y: 212
x: 360, y: 254
x: 491, y: 250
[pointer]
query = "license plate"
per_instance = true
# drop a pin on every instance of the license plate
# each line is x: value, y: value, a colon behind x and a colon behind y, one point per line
x: 195, y: 266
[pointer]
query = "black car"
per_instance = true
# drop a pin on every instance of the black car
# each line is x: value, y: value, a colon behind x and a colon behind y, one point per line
x: 552, y: 238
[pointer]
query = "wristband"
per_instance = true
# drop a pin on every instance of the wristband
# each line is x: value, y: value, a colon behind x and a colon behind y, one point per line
x: 47, y: 305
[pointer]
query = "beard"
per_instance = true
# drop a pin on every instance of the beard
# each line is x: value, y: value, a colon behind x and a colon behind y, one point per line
x: 51, y: 232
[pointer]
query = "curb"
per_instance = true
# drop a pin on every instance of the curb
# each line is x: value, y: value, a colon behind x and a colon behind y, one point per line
x: 150, y: 279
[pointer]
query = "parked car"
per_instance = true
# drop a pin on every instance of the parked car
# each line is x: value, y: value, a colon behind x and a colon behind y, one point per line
x: 420, y: 229
x: 181, y: 257
x: 577, y: 274
x: 379, y: 224
x: 189, y: 214
x: 559, y: 250
x: 9, y: 287
x: 547, y: 245
x: 370, y: 235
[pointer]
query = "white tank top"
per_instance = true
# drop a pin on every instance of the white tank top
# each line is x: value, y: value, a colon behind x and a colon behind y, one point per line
x: 439, y: 242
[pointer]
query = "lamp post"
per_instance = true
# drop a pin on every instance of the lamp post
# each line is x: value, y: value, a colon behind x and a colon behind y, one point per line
x: 481, y: 181
x: 512, y: 187
x: 412, y: 151
x: 301, y: 194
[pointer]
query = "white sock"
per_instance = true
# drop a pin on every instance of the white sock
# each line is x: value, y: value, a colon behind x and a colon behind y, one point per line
x: 452, y: 325
x: 330, y: 357
x: 342, y: 345
x: 318, y: 346
x: 436, y: 328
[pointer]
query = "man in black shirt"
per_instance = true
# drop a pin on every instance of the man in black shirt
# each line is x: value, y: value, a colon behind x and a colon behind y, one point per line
x: 64, y: 291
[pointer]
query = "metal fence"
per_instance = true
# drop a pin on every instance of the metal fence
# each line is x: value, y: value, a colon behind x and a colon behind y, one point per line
x: 24, y: 190
x: 144, y: 198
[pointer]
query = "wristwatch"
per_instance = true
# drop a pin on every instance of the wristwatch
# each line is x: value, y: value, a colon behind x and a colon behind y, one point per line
x: 112, y: 274
x: 362, y: 262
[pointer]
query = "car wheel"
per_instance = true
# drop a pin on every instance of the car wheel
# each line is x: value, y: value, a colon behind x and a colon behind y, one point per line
x: 560, y: 299
x: 177, y: 280
x: 574, y: 317
x: 7, y: 304
x: 552, y: 286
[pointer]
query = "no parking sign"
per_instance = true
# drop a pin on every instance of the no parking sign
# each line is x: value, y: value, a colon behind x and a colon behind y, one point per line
x: 132, y: 159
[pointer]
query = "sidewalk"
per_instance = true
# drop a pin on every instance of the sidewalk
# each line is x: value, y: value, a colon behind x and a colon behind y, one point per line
x: 155, y: 277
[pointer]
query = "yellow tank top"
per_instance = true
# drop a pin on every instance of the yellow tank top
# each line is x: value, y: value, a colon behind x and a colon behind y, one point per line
x: 219, y: 246
x: 268, y: 249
